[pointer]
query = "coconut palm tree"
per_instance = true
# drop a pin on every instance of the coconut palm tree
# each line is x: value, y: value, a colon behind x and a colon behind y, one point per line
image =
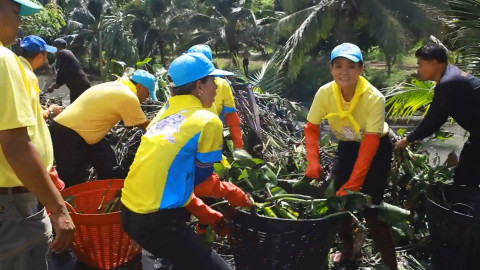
x: 392, y: 25
x: 465, y: 19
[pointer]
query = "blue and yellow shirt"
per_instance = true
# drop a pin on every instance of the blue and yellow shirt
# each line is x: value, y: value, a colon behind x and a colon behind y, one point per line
x: 224, y: 102
x: 162, y: 174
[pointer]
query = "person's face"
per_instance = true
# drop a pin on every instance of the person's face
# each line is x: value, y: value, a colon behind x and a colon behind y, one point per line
x: 426, y: 69
x: 207, y: 91
x: 40, y: 60
x: 345, y: 72
x: 9, y: 21
x: 142, y: 93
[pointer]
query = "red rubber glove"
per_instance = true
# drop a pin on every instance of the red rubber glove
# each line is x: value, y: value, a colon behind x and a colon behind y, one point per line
x: 207, y: 215
x: 312, y: 133
x: 59, y: 184
x: 368, y: 149
x: 213, y: 187
x: 232, y: 121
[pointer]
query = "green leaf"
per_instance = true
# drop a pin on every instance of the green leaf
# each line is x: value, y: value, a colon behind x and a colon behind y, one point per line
x: 219, y: 169
x: 143, y: 62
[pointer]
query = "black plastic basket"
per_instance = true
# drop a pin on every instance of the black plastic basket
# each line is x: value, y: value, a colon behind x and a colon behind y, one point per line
x: 455, y: 229
x: 268, y: 243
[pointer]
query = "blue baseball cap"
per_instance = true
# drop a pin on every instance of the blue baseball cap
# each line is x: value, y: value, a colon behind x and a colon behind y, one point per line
x: 347, y: 50
x: 191, y: 67
x: 36, y: 44
x: 28, y: 8
x: 147, y: 80
x: 203, y: 49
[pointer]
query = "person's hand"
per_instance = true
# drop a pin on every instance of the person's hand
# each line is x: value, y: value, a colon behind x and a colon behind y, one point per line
x: 314, y: 170
x: 63, y: 227
x: 401, y: 144
x: 55, y: 109
x: 207, y: 215
x: 50, y: 89
x: 221, y: 227
x: 235, y: 196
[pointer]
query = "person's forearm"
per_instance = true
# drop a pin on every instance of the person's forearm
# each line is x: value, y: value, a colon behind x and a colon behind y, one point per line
x: 144, y: 125
x: 27, y: 165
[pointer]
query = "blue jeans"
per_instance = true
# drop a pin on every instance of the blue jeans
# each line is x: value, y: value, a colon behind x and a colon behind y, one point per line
x: 25, y: 232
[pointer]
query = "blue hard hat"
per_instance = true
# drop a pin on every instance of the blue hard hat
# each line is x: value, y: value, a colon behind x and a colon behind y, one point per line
x: 147, y: 80
x: 203, y: 49
x: 190, y: 67
x: 347, y: 50
x: 36, y: 44
x: 27, y: 7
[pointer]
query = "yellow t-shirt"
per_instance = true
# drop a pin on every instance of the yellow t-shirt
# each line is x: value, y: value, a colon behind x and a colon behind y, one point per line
x: 369, y: 111
x: 100, y: 108
x: 224, y: 102
x: 19, y: 108
x: 162, y: 173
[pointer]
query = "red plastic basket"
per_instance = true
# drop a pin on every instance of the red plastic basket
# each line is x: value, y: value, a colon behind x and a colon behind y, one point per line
x: 99, y: 239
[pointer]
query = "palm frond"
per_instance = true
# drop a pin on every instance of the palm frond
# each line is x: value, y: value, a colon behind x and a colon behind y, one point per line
x: 269, y: 79
x: 316, y: 27
x: 288, y: 24
x: 405, y: 99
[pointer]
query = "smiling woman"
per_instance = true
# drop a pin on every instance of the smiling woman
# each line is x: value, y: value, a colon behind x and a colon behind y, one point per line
x: 355, y: 111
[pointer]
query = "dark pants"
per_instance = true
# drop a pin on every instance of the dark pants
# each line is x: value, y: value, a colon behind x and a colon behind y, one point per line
x: 374, y: 185
x: 467, y: 171
x: 376, y: 179
x: 165, y: 234
x: 73, y: 156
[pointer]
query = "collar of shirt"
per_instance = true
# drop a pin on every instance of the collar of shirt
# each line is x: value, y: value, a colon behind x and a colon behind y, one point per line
x: 182, y: 102
x: 129, y: 84
x: 25, y: 61
x: 362, y: 86
x: 1, y: 44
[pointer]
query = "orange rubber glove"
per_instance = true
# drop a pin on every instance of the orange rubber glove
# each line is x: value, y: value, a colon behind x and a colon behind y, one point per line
x: 368, y: 149
x: 207, y: 215
x: 59, y: 184
x: 213, y: 187
x: 232, y: 121
x: 312, y: 133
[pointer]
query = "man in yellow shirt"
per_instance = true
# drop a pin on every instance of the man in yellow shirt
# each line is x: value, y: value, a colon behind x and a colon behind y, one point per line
x: 224, y: 104
x: 78, y: 133
x: 25, y: 153
x: 34, y: 55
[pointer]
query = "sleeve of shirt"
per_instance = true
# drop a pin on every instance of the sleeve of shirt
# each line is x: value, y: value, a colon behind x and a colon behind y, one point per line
x: 317, y: 110
x: 228, y: 100
x: 15, y: 105
x: 376, y: 117
x: 436, y: 115
x: 131, y: 112
x: 210, y: 142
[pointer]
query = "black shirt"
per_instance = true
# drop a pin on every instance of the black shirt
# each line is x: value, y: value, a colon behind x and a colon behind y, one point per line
x: 70, y: 72
x: 457, y: 94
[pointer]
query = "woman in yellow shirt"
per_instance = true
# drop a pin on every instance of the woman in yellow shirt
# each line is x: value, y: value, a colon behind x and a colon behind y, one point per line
x: 355, y: 111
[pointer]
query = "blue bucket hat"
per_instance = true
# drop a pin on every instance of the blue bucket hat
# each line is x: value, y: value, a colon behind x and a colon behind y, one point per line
x: 347, y: 50
x: 191, y: 67
x: 36, y: 44
x: 147, y: 80
x: 203, y: 49
x: 28, y: 8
